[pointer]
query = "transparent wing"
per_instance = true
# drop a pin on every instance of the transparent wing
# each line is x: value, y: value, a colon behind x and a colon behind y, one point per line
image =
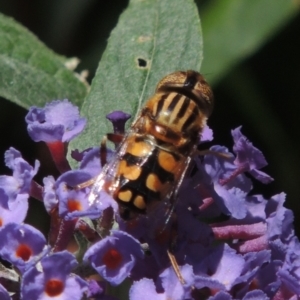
x: 105, y: 180
x: 109, y: 179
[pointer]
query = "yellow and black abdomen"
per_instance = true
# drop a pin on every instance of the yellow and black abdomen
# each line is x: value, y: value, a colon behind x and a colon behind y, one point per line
x: 146, y: 175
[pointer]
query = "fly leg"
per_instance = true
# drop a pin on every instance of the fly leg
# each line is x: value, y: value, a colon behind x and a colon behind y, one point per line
x: 175, y: 266
x: 211, y: 152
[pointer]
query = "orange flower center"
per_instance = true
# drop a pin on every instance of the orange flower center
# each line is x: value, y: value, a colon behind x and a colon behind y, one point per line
x: 54, y: 287
x: 24, y: 252
x: 74, y: 205
x: 112, y: 258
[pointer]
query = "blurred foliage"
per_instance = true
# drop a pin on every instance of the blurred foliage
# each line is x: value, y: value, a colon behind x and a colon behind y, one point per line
x: 236, y: 29
x: 30, y: 73
x: 251, y: 55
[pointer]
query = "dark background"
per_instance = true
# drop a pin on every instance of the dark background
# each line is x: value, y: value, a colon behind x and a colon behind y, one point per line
x: 271, y: 74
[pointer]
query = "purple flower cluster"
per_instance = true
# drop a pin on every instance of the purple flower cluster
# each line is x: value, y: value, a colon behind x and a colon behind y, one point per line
x: 251, y: 254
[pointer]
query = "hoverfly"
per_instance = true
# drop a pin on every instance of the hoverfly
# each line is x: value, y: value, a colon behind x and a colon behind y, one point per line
x: 153, y: 157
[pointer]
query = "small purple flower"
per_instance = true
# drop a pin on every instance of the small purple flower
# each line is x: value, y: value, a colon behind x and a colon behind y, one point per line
x: 54, y: 281
x: 219, y: 168
x: 289, y: 274
x: 223, y: 265
x: 230, y: 198
x: 21, y: 245
x: 20, y: 183
x: 267, y: 279
x: 118, y: 119
x: 114, y: 256
x: 207, y: 135
x: 49, y: 196
x: 71, y: 199
x: 15, y: 212
x: 279, y: 219
x: 249, y: 278
x: 171, y: 287
x: 58, y: 121
x: 56, y: 124
x: 74, y: 203
x: 249, y: 158
x: 19, y: 166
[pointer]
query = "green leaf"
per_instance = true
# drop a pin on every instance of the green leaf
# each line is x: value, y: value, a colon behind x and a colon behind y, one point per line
x: 234, y: 29
x: 165, y: 35
x: 30, y: 73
